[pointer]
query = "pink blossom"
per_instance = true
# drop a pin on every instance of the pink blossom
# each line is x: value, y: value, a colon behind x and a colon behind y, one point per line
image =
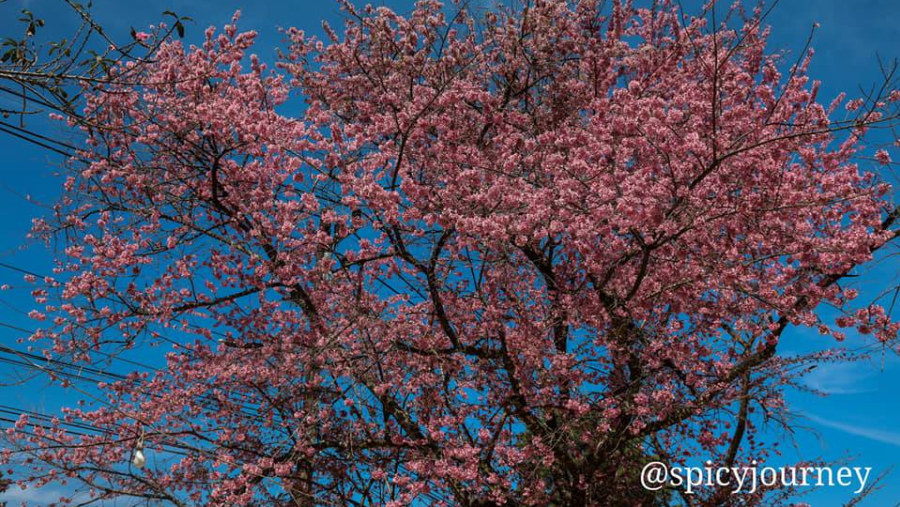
x: 486, y: 260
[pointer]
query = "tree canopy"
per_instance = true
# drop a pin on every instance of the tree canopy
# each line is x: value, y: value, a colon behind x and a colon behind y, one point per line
x: 500, y: 257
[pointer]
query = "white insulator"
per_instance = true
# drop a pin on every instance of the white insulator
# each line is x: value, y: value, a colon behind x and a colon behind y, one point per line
x: 139, y: 460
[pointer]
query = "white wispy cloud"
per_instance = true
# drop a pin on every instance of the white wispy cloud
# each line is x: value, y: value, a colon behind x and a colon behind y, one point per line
x: 883, y: 436
x: 844, y: 378
x: 33, y: 496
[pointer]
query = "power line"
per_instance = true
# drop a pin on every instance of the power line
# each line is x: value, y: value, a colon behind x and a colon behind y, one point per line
x: 63, y: 368
x: 20, y: 270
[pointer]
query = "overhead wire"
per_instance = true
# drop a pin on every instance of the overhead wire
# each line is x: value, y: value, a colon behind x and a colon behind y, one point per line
x: 53, y: 367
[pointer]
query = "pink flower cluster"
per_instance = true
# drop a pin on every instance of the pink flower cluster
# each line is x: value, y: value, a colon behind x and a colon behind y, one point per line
x: 498, y: 260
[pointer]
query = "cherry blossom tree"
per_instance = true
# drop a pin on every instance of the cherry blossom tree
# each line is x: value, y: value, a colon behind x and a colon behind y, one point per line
x: 499, y: 257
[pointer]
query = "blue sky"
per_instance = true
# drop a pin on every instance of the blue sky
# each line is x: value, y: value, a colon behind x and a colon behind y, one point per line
x: 857, y: 420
